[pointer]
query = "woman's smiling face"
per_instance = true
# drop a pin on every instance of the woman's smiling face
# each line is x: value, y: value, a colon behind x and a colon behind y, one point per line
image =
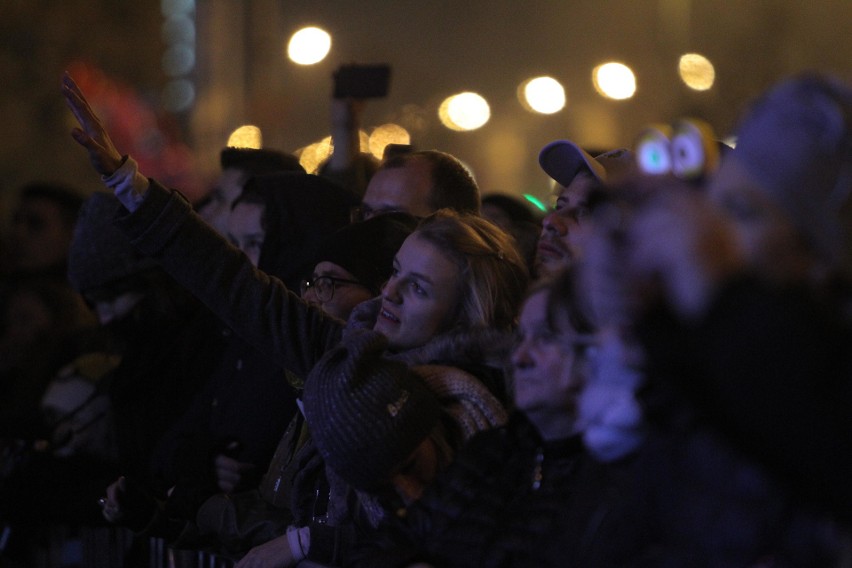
x: 421, y: 295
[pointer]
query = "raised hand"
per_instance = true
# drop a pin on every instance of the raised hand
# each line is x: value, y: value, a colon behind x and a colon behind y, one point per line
x: 91, y: 134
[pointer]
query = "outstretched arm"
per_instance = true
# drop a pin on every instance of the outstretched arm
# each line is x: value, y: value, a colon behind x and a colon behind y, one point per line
x: 91, y: 134
x: 161, y: 224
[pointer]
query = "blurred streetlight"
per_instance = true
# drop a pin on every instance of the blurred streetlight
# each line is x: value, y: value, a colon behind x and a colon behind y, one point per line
x: 544, y: 95
x: 246, y: 136
x: 614, y: 80
x: 696, y: 71
x: 308, y: 46
x: 464, y: 111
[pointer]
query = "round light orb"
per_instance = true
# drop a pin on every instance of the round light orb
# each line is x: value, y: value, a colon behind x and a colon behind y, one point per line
x: 696, y: 71
x: 308, y: 46
x: 387, y: 134
x: 178, y: 60
x: 311, y: 157
x: 614, y: 81
x: 464, y: 112
x: 176, y: 7
x: 178, y: 95
x: 544, y: 95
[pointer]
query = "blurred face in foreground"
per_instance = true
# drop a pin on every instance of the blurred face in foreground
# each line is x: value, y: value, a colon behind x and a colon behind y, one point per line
x: 421, y: 295
x: 765, y: 234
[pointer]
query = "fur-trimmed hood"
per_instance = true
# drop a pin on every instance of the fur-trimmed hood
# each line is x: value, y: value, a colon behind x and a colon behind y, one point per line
x: 482, y: 351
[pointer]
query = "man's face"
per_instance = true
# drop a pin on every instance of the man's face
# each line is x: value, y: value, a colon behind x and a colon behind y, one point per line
x: 40, y: 236
x: 226, y: 190
x: 245, y: 229
x: 559, y: 241
x: 335, y: 290
x: 407, y: 189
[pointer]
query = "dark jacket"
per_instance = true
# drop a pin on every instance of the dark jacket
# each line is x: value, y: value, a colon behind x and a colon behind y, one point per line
x: 263, y: 311
x: 748, y: 454
x: 246, y: 404
x: 510, y: 499
x: 268, y: 315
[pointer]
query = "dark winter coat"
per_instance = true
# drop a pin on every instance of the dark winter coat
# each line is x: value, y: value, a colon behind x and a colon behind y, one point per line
x: 510, y: 499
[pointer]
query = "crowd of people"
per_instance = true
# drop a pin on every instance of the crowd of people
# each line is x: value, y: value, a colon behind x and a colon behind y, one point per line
x: 393, y: 369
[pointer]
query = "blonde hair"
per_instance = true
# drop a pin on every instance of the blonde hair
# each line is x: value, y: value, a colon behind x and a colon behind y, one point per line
x: 493, y: 277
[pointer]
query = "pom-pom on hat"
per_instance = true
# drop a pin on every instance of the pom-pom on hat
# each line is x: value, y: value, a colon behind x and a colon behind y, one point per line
x: 367, y: 414
x: 366, y: 249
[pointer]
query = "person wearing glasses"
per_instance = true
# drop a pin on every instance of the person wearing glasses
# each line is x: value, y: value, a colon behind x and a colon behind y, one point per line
x: 224, y: 440
x: 354, y: 263
x: 451, y: 299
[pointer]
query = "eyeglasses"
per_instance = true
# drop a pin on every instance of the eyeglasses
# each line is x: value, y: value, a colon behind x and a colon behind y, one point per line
x: 324, y: 286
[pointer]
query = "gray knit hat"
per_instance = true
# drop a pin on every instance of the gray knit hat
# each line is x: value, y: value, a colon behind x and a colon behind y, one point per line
x: 795, y: 142
x: 100, y: 254
x: 366, y: 414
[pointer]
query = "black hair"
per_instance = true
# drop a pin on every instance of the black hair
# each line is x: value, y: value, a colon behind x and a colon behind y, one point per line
x: 67, y: 198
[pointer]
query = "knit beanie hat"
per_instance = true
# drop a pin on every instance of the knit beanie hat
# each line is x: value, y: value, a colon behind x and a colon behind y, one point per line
x: 366, y: 414
x: 366, y: 249
x: 796, y: 144
x: 100, y: 254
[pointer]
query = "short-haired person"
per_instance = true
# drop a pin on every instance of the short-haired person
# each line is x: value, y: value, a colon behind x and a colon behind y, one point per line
x: 527, y: 493
x: 452, y: 297
x: 238, y: 165
x: 576, y: 173
x: 420, y: 183
x: 41, y: 230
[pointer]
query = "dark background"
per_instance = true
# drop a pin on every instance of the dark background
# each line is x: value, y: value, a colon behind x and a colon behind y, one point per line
x: 436, y: 48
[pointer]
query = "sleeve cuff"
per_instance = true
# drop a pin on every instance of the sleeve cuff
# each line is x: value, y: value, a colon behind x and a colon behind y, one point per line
x: 300, y: 542
x: 128, y: 184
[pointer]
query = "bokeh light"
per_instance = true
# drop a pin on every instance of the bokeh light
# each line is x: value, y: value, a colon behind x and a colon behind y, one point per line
x: 314, y: 155
x: 542, y: 94
x: 614, y: 80
x: 464, y: 111
x: 387, y: 134
x: 178, y: 60
x: 178, y: 95
x: 178, y: 29
x: 246, y: 136
x: 176, y: 7
x: 308, y: 46
x: 696, y: 71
